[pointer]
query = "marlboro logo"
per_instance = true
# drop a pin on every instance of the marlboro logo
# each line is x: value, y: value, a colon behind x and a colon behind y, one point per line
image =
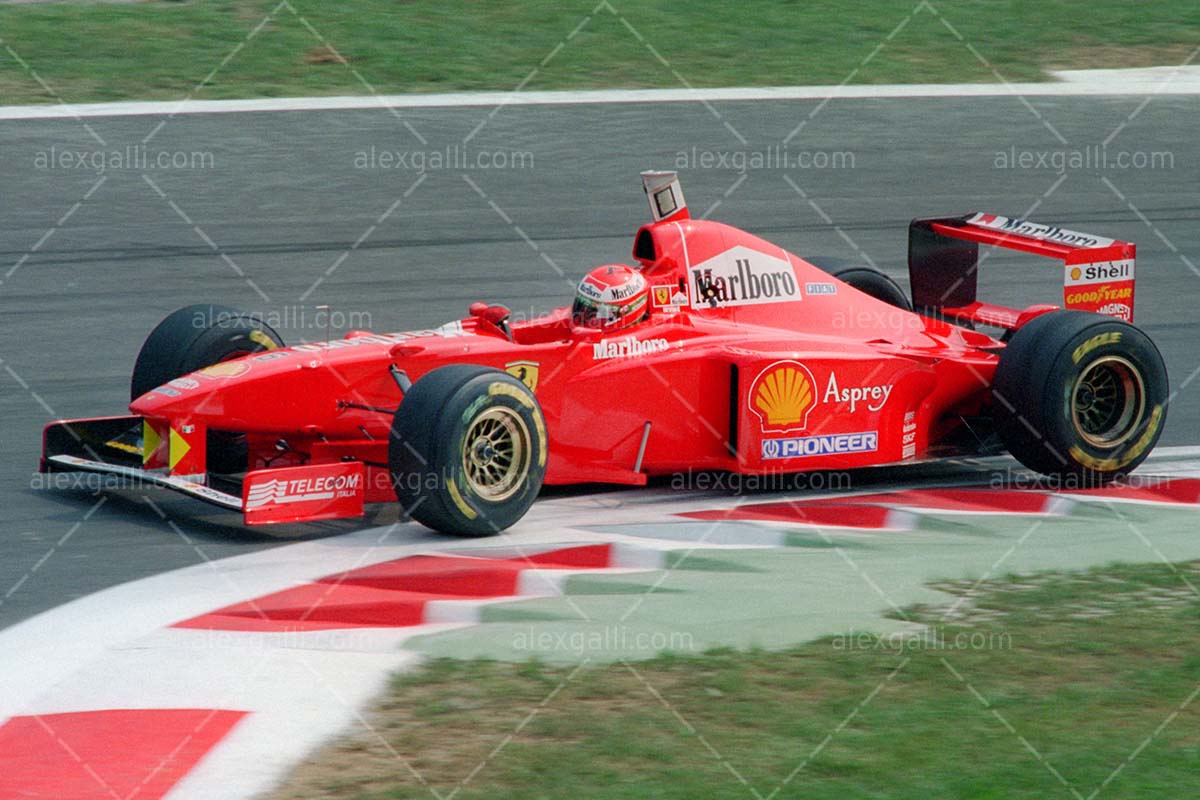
x: 1036, y: 230
x: 742, y: 277
x: 627, y: 347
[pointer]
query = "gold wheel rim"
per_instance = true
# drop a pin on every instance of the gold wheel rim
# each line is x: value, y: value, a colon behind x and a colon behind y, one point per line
x: 496, y: 453
x: 1107, y: 402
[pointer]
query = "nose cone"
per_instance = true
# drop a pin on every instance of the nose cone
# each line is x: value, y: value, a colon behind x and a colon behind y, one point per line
x: 196, y: 394
x: 273, y: 392
x: 170, y: 401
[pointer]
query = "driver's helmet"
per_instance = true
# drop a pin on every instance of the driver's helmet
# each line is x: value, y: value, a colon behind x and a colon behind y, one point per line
x: 611, y: 297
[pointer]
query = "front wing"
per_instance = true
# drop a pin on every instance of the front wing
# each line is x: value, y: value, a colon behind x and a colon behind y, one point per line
x: 118, y: 446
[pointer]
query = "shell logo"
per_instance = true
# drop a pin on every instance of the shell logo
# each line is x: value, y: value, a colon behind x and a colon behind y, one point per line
x: 782, y: 395
x: 225, y: 369
x: 1076, y: 273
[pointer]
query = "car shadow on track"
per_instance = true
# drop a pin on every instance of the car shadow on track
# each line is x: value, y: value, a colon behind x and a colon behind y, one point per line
x: 155, y: 514
x: 182, y: 517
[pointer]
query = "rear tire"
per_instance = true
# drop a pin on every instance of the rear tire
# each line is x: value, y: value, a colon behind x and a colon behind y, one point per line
x: 1080, y: 397
x: 467, y: 450
x: 195, y: 337
x: 874, y: 283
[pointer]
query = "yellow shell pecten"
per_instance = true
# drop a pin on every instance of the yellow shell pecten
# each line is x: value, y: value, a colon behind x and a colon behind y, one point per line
x: 784, y: 395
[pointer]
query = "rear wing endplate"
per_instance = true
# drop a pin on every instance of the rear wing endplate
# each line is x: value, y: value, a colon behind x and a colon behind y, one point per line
x: 943, y: 263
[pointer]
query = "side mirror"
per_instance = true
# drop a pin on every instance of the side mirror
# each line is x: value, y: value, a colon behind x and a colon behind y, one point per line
x: 495, y: 315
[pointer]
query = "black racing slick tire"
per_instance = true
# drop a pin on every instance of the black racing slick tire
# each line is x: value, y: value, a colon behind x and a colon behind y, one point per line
x: 195, y: 337
x: 1080, y: 397
x: 874, y: 283
x: 467, y: 450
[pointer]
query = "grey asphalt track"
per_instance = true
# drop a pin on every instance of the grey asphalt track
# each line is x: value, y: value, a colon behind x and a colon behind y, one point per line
x: 286, y: 200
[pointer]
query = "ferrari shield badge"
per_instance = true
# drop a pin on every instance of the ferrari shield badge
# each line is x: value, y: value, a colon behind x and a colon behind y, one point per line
x: 524, y: 371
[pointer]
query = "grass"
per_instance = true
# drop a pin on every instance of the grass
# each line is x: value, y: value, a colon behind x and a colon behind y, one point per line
x: 1077, y: 674
x: 164, y: 50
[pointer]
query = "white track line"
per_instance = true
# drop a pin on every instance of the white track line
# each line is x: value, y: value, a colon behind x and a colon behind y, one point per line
x: 1089, y: 82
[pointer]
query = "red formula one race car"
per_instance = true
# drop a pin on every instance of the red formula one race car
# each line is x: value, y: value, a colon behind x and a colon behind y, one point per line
x: 719, y: 351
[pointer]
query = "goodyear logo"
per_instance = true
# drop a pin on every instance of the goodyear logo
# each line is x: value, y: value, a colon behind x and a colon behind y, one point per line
x: 1103, y: 293
x: 782, y: 396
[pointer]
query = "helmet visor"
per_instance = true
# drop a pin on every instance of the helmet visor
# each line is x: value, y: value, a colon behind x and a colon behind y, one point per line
x: 589, y: 313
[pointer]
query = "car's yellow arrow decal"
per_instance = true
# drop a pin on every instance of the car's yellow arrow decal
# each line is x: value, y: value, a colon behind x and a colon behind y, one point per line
x: 178, y: 449
x: 150, y: 441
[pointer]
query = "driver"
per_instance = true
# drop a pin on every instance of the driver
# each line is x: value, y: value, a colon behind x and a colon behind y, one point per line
x: 611, y: 297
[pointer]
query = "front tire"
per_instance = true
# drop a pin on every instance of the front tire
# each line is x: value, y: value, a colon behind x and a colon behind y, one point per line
x: 467, y: 450
x: 1080, y: 396
x: 195, y: 337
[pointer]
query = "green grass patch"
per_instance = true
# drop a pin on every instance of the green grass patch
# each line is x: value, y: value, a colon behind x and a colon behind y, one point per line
x: 1020, y: 688
x: 165, y: 50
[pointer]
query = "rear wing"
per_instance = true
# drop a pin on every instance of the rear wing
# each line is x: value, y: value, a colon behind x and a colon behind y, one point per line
x: 943, y: 262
